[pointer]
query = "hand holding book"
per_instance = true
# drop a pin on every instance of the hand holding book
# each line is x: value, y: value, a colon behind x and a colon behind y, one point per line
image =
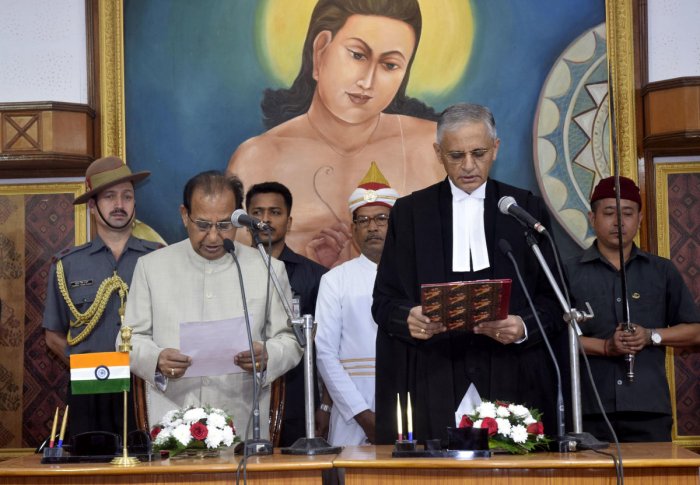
x: 462, y: 305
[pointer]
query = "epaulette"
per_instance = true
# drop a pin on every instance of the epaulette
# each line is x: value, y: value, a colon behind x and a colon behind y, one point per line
x: 70, y: 250
x: 150, y: 245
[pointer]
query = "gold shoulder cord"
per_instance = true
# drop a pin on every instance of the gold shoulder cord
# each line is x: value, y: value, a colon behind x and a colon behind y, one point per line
x: 93, y: 314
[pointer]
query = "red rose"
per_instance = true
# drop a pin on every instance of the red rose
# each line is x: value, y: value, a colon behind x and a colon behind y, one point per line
x: 491, y: 425
x: 155, y: 431
x: 229, y: 422
x: 465, y: 422
x: 535, y: 428
x: 199, y: 431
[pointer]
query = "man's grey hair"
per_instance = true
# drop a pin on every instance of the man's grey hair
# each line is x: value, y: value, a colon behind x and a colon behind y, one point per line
x: 463, y: 113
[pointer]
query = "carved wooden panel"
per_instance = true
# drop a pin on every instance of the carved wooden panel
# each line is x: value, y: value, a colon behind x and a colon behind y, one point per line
x: 45, y: 139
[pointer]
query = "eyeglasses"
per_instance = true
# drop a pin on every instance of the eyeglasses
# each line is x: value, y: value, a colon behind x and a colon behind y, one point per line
x: 458, y: 157
x: 380, y: 220
x: 205, y: 226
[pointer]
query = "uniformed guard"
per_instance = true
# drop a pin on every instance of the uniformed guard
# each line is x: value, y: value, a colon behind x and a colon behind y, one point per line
x: 88, y: 285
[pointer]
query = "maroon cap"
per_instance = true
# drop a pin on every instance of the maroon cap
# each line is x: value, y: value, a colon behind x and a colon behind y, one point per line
x: 606, y: 190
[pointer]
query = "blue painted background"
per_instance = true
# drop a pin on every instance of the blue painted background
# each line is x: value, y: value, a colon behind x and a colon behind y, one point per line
x: 194, y: 85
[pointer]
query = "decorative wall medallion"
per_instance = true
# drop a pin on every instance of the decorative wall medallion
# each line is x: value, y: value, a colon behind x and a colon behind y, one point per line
x: 571, y: 132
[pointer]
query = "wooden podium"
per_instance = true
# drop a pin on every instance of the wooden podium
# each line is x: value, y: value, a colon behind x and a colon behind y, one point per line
x: 645, y: 463
x: 276, y: 469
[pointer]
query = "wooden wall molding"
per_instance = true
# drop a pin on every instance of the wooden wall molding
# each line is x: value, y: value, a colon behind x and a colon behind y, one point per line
x: 672, y: 114
x: 45, y: 139
x: 678, y: 82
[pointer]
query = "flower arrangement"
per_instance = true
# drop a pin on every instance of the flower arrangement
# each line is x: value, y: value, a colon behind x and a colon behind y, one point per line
x: 194, y: 429
x: 512, y: 427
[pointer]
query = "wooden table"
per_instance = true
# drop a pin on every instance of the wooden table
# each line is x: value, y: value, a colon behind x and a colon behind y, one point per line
x: 276, y: 469
x: 644, y: 463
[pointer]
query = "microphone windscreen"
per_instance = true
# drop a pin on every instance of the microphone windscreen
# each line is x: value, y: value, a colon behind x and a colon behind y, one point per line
x: 505, y: 247
x: 505, y: 202
x: 229, y: 246
x: 236, y: 215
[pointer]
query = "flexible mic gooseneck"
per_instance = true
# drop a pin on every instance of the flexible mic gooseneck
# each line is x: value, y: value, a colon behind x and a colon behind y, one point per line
x: 507, y: 205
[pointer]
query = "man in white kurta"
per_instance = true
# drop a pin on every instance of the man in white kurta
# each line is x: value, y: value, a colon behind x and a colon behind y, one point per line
x: 196, y: 280
x: 345, y: 338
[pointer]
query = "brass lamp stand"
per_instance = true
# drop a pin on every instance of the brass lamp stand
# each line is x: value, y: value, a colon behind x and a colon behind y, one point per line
x: 125, y: 459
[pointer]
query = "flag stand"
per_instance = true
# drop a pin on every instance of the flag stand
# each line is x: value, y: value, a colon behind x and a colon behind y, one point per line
x: 125, y: 459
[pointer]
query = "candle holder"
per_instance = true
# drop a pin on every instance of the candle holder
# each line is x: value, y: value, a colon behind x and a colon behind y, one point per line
x: 405, y: 445
x: 462, y: 443
x: 55, y: 452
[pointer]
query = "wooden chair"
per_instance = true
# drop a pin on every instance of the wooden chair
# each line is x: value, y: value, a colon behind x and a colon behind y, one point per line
x: 277, y: 396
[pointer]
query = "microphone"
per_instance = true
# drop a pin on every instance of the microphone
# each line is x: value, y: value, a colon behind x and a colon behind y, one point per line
x: 240, y: 218
x: 507, y: 205
x: 256, y: 445
x: 507, y: 251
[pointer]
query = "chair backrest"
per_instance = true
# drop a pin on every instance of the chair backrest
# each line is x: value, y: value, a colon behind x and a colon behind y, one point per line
x: 278, y: 392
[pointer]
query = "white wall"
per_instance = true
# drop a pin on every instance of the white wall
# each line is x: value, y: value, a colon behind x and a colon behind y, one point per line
x: 43, y: 54
x: 673, y: 39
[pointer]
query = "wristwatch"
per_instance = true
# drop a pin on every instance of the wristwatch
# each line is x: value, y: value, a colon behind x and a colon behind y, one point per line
x: 325, y: 407
x: 655, y: 337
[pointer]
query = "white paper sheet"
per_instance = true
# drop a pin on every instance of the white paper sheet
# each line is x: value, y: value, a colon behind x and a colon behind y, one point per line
x: 469, y: 402
x: 212, y: 346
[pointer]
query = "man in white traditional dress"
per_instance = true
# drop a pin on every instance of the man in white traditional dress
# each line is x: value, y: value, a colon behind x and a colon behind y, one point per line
x: 345, y: 339
x: 196, y: 280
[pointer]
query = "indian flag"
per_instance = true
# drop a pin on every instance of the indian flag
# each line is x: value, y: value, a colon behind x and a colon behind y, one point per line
x: 99, y: 372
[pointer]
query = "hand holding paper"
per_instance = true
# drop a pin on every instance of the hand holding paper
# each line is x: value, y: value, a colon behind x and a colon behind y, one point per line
x: 245, y: 362
x: 213, y: 345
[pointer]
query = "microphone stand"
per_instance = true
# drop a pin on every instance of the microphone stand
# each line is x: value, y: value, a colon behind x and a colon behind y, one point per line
x: 256, y: 445
x: 578, y: 439
x: 304, y: 331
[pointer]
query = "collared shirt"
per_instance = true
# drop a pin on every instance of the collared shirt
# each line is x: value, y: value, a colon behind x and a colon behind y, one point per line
x: 85, y: 267
x: 469, y: 248
x: 657, y: 297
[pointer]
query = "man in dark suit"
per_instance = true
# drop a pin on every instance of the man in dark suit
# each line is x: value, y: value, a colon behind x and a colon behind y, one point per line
x: 450, y: 231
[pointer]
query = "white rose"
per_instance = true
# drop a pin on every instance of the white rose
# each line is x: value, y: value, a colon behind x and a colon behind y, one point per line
x: 486, y: 410
x: 193, y: 415
x: 167, y: 418
x: 519, y: 411
x: 519, y: 433
x: 477, y: 423
x: 214, y: 437
x: 503, y: 426
x: 163, y: 436
x: 182, y: 434
x: 216, y: 420
x: 228, y: 436
x: 502, y: 412
x: 529, y: 420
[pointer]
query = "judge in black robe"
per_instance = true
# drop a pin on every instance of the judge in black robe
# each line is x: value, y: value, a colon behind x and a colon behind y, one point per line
x: 438, y: 371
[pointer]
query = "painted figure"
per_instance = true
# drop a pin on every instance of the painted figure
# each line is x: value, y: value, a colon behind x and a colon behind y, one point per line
x: 346, y: 108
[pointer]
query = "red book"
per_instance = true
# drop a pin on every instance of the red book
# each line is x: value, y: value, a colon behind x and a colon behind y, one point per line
x: 461, y: 305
